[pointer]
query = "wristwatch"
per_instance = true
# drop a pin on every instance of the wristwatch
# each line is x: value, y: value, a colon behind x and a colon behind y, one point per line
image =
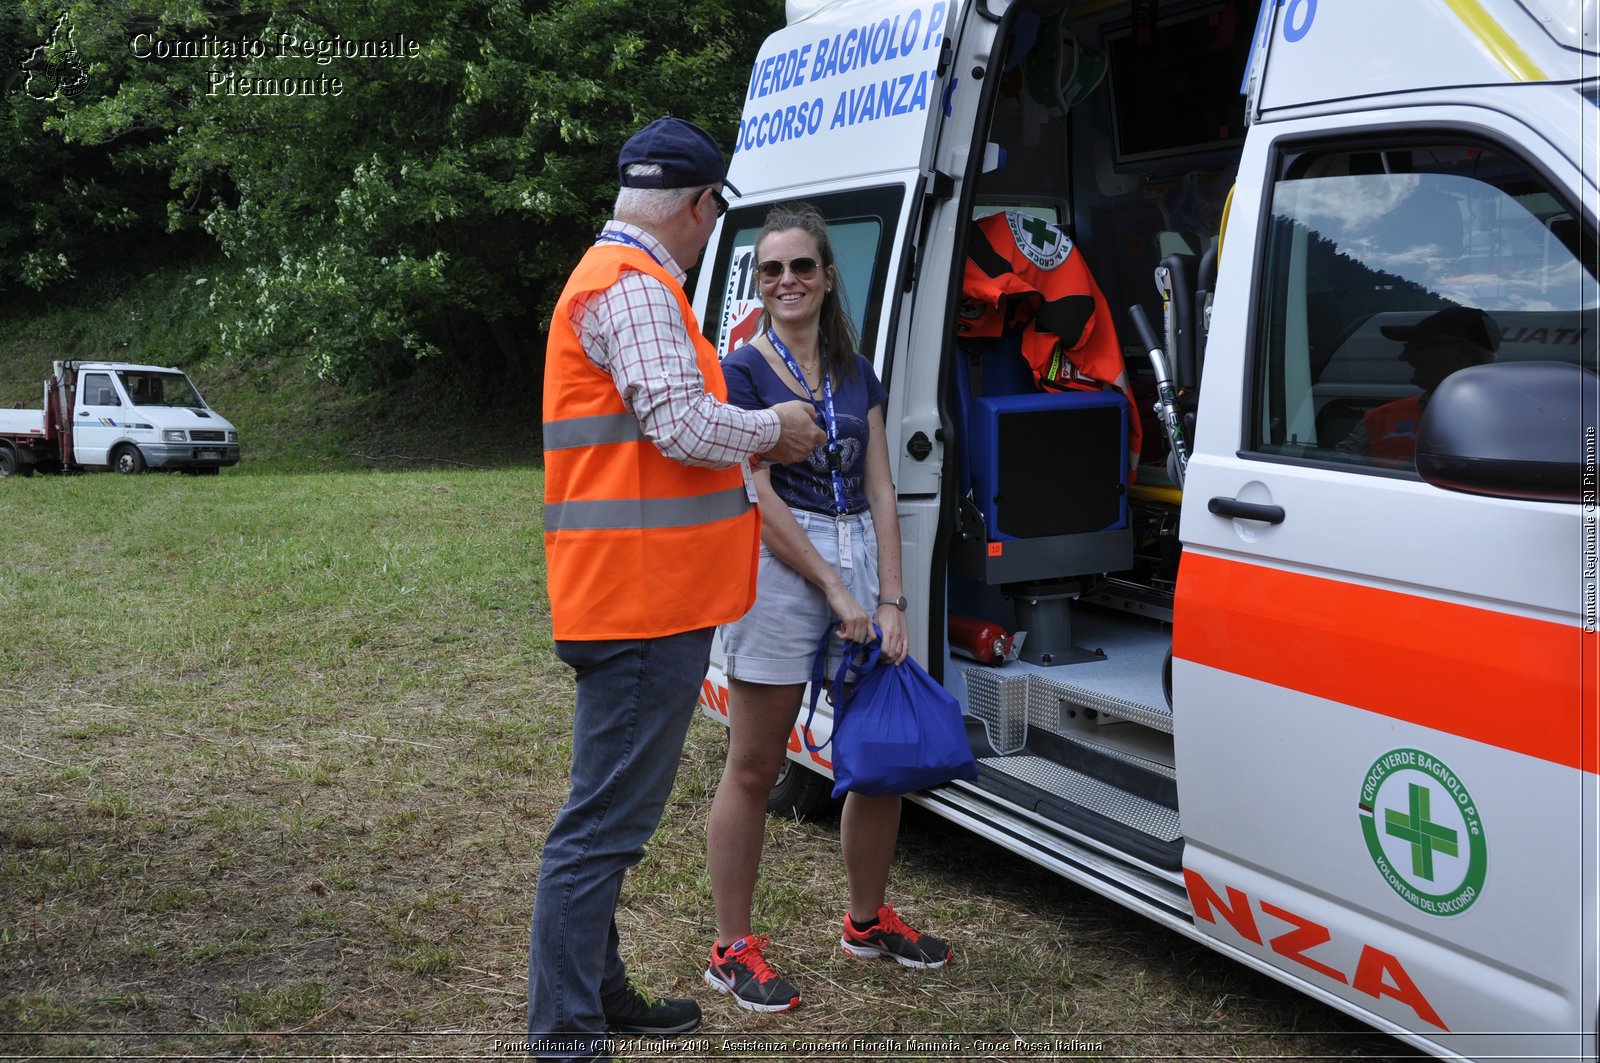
x: 899, y: 603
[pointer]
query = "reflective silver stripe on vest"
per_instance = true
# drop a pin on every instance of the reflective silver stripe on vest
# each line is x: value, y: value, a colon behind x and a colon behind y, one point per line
x: 592, y: 431
x: 623, y: 514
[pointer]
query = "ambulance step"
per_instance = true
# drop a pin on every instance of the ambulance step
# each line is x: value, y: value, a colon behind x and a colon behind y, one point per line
x: 1093, y: 742
x: 1142, y: 828
x: 1058, y: 699
x: 1156, y: 890
x: 1124, y: 682
x: 1014, y: 700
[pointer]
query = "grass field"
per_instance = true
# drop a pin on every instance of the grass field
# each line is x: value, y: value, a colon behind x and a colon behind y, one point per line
x: 276, y: 754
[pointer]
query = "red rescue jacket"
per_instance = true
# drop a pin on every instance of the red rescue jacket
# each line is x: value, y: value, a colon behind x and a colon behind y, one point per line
x: 1022, y: 274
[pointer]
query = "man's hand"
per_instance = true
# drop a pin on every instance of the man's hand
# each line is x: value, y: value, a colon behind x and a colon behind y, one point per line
x: 799, y: 432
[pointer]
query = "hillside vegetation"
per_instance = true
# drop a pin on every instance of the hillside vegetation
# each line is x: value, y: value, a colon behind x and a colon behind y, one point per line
x: 440, y: 415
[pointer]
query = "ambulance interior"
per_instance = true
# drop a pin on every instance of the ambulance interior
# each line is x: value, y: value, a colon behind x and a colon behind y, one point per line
x: 1057, y: 542
x: 1121, y: 125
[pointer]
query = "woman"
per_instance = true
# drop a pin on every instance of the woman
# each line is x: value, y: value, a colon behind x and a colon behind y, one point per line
x: 830, y: 556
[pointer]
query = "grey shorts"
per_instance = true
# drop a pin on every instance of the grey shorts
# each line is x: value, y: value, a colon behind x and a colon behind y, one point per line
x: 776, y: 641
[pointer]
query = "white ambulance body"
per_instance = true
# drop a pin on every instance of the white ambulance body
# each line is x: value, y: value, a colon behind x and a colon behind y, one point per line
x: 1347, y: 733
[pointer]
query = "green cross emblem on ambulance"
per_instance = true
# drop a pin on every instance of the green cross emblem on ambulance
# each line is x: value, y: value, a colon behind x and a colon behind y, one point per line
x: 1423, y: 832
x: 1045, y: 244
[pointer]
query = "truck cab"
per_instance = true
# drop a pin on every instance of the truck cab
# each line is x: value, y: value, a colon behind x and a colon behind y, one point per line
x: 1290, y: 667
x: 118, y: 416
x: 133, y: 417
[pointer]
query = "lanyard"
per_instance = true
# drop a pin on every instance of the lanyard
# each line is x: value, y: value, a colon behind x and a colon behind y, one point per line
x: 615, y: 236
x: 841, y: 503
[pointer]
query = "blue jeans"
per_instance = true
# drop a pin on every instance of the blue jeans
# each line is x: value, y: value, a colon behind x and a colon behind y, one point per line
x: 635, y: 701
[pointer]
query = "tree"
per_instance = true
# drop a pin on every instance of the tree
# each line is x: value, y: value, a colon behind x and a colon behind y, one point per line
x: 66, y: 205
x: 394, y: 179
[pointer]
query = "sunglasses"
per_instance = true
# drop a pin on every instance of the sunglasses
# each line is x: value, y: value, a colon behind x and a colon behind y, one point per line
x: 772, y: 268
x: 722, y: 204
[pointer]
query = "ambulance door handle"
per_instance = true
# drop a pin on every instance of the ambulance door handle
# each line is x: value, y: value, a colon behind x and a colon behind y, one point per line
x: 1232, y: 507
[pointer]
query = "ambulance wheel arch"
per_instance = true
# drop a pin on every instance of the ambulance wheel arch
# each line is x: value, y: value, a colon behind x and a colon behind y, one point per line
x: 1355, y: 660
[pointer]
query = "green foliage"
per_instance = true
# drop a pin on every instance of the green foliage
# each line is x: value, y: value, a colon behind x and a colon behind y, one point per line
x: 442, y: 416
x: 391, y: 209
x: 67, y: 205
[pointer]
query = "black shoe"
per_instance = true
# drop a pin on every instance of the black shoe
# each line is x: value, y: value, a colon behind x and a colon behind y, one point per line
x: 633, y: 1010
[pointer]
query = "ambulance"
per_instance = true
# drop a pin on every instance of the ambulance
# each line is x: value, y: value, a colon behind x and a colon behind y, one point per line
x: 1281, y: 629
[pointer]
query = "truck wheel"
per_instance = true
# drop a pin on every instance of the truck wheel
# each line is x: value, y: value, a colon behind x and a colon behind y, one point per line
x: 127, y: 460
x: 798, y: 793
x: 8, y: 462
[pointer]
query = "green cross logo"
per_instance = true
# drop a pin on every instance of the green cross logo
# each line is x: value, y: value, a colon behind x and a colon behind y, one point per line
x: 1423, y: 831
x: 1424, y: 837
x: 1045, y: 245
x: 1040, y: 233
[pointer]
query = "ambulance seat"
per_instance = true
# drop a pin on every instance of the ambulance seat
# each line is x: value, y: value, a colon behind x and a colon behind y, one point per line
x: 1044, y: 495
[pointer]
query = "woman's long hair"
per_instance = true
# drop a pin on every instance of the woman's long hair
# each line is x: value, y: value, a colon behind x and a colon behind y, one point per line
x: 838, y: 337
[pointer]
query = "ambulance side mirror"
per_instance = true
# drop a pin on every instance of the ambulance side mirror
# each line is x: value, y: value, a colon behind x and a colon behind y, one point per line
x: 1512, y: 430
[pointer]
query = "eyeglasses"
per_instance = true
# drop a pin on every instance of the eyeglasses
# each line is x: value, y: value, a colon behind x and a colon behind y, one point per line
x: 772, y: 268
x: 722, y: 204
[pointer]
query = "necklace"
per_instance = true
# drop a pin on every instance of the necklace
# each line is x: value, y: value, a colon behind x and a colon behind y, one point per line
x: 810, y: 372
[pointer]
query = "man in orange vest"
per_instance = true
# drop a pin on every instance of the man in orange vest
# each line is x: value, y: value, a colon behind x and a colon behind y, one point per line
x: 1435, y: 347
x: 651, y: 541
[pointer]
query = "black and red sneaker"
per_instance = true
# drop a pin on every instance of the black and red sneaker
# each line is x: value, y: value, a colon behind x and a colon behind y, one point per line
x: 895, y: 938
x: 742, y: 971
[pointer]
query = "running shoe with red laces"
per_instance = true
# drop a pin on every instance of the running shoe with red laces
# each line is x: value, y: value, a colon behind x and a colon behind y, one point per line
x: 895, y: 938
x: 742, y: 971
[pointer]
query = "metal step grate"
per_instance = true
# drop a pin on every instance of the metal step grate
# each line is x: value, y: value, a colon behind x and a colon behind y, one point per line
x: 1155, y: 767
x: 1130, y: 810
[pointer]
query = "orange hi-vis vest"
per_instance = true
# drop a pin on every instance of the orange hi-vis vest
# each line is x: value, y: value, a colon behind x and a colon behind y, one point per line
x: 1024, y: 274
x: 1392, y: 428
x: 636, y: 545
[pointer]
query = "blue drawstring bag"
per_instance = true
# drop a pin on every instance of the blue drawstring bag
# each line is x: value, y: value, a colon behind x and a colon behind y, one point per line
x: 895, y: 730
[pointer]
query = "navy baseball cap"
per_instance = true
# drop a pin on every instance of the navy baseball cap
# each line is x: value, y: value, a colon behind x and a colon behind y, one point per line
x: 687, y: 155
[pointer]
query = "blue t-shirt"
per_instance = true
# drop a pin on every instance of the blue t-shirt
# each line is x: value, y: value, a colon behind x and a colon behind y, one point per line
x: 807, y: 484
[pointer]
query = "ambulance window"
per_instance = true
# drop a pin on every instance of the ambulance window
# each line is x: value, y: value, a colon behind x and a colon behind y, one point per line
x: 1386, y: 269
x: 860, y: 223
x: 1050, y: 212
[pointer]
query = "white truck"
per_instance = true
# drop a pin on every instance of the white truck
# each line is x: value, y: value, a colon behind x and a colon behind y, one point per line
x: 1317, y: 681
x: 118, y: 416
